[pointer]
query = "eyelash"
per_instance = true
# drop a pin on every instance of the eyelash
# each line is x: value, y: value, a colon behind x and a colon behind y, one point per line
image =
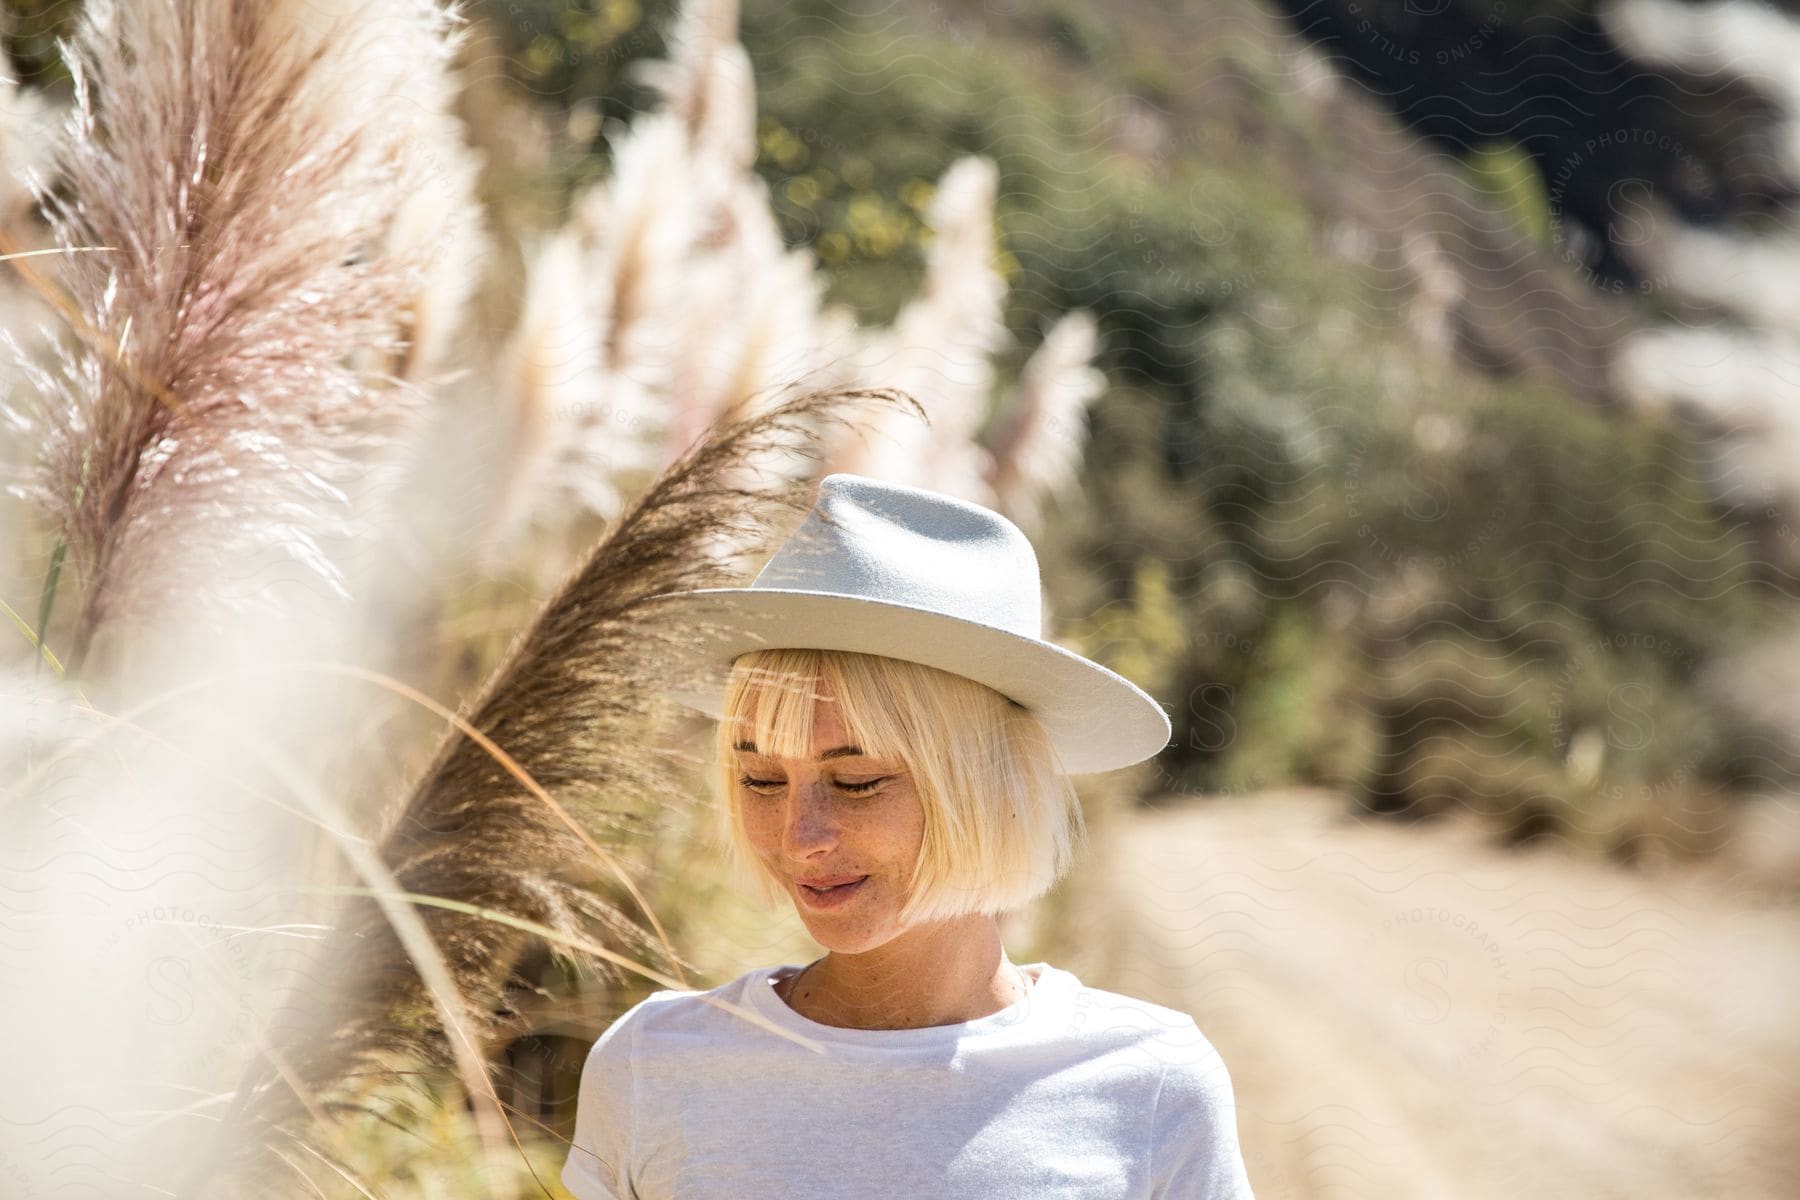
x: 854, y: 788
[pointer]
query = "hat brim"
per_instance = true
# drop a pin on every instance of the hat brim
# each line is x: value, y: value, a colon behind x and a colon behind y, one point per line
x: 1096, y: 718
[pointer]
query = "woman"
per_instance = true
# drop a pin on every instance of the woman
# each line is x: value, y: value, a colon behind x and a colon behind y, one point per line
x: 894, y: 745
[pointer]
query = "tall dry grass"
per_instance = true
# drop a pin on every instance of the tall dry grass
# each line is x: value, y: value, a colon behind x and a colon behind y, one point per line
x: 236, y: 176
x: 942, y: 346
x: 1036, y: 445
x: 252, y: 441
x: 667, y: 302
x: 690, y: 308
x: 28, y: 123
x: 236, y: 201
x: 514, y: 814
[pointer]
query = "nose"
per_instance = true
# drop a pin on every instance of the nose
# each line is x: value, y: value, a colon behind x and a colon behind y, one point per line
x: 809, y: 824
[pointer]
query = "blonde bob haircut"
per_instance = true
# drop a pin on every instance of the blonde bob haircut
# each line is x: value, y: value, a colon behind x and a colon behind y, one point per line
x: 1001, y: 820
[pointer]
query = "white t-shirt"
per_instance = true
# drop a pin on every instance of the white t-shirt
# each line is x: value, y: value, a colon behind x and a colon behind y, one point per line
x: 1071, y: 1093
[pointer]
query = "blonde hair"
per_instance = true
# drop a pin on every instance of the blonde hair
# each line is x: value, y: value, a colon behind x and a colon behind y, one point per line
x: 1001, y: 818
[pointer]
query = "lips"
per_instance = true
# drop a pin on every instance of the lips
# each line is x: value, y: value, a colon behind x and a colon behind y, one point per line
x: 825, y: 881
x: 821, y: 896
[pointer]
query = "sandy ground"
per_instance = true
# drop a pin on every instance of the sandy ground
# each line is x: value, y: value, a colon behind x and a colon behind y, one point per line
x: 1408, y: 1012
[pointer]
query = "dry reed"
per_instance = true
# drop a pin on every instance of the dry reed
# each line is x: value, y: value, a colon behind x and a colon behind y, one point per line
x: 243, y: 166
x: 572, y: 706
x: 1037, y: 442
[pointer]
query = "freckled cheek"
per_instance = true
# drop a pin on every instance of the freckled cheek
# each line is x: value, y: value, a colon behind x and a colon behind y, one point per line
x: 896, y: 840
x: 763, y: 830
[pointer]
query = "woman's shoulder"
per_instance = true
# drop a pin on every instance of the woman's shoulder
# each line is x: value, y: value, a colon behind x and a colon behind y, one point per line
x: 1129, y: 1028
x: 1104, y: 1010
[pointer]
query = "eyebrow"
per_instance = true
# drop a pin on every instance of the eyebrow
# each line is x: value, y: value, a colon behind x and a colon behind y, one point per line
x: 834, y: 752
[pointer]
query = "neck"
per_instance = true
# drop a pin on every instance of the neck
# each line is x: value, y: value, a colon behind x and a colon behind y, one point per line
x: 944, y: 973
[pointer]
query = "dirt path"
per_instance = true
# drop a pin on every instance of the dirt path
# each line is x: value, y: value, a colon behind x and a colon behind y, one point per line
x: 1408, y: 1013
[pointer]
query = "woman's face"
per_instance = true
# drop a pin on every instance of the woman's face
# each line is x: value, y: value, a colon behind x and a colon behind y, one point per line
x: 835, y: 816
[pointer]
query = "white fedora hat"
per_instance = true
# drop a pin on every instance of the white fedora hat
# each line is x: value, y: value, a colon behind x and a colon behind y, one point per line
x: 880, y: 568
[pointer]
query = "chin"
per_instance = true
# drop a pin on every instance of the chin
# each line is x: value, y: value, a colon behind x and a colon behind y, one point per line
x: 844, y: 939
x: 841, y: 941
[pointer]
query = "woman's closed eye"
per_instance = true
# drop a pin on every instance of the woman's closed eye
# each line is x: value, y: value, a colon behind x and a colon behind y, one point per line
x: 770, y: 785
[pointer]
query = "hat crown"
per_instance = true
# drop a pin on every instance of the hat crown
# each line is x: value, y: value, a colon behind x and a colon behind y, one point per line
x: 904, y: 545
